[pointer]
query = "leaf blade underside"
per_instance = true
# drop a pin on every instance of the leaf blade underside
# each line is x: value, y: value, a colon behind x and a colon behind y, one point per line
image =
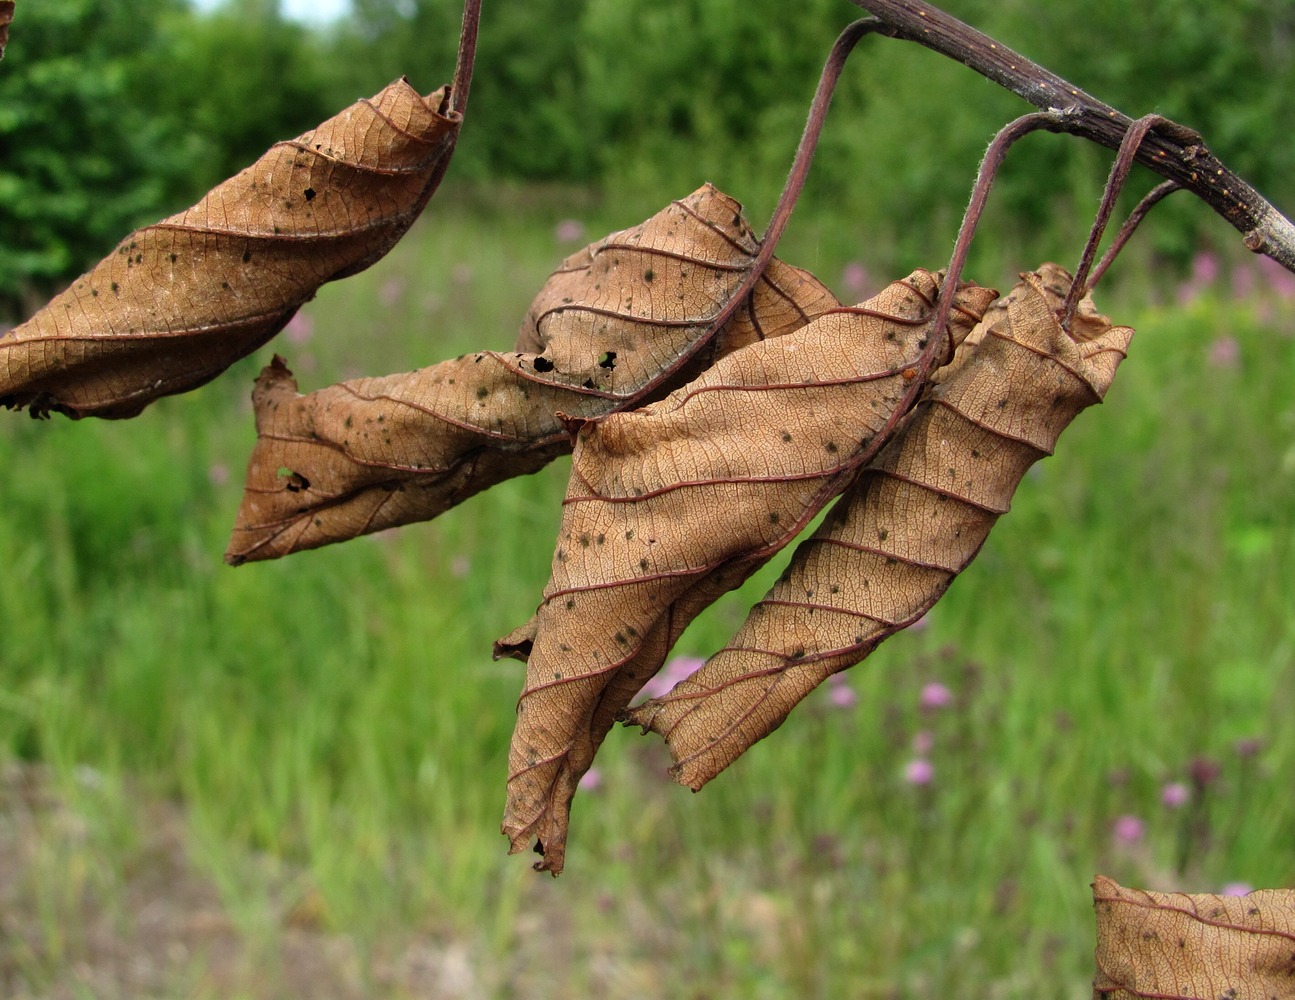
x: 177, y: 302
x: 619, y: 321
x: 660, y: 500
x: 915, y: 518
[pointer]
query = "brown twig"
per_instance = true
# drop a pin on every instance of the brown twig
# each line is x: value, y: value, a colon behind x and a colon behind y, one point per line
x: 1133, y: 139
x: 1148, y: 202
x: 832, y: 68
x: 1173, y: 151
x: 467, y: 56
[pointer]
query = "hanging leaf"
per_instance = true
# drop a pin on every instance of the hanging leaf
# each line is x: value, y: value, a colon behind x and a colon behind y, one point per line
x: 179, y: 301
x: 1172, y: 945
x: 715, y: 478
x: 611, y: 325
x: 916, y: 517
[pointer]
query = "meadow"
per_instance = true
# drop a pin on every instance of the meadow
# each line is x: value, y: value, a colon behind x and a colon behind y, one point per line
x: 286, y: 779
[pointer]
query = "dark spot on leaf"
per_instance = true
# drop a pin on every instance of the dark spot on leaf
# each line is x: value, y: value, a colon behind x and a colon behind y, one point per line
x: 571, y: 603
x: 786, y: 437
x: 247, y: 256
x: 310, y: 194
x: 830, y: 447
x: 174, y: 258
x: 114, y: 287
x: 882, y: 535
x: 643, y: 564
x: 649, y: 275
x: 482, y: 392
x: 588, y: 383
x: 608, y: 360
x: 773, y: 517
x: 620, y: 638
x: 629, y: 534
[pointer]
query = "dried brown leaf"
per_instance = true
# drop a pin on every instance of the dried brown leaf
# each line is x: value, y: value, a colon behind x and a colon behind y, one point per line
x: 915, y: 518
x: 179, y: 301
x: 712, y: 480
x: 1193, y: 947
x: 610, y: 325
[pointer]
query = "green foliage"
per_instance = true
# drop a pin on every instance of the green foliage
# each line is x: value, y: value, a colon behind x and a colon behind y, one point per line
x: 83, y: 157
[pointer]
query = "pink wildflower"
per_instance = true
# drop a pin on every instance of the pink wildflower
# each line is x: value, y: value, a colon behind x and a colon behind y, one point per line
x: 1236, y: 889
x: 591, y: 780
x: 923, y: 741
x: 1175, y: 794
x: 299, y: 329
x: 842, y: 695
x: 570, y: 231
x: 677, y: 669
x: 855, y: 281
x: 1128, y: 830
x: 1225, y: 352
x: 919, y: 772
x: 935, y: 696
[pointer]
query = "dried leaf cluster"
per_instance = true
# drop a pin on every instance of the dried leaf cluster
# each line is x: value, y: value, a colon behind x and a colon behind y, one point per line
x: 715, y: 401
x: 702, y: 445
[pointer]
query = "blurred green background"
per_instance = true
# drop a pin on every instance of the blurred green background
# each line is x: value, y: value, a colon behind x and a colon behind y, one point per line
x: 286, y: 780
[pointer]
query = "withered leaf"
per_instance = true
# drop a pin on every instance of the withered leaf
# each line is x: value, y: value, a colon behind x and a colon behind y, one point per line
x: 716, y: 477
x: 915, y: 518
x: 610, y: 325
x: 179, y: 301
x: 1174, y: 945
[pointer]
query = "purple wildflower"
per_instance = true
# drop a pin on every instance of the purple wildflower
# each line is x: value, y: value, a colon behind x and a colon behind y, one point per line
x: 1225, y: 352
x: 1127, y: 830
x: 1175, y: 794
x: 919, y: 772
x: 855, y: 281
x: 676, y: 670
x: 569, y: 231
x: 299, y: 329
x: 840, y: 693
x: 591, y: 780
x: 1236, y: 889
x: 935, y: 696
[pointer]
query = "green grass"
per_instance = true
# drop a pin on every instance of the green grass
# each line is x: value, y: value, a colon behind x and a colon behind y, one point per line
x: 328, y: 733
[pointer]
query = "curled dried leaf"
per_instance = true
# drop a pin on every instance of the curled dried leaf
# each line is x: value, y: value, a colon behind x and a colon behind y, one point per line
x: 611, y: 325
x: 1174, y: 945
x: 699, y: 487
x: 915, y: 518
x: 179, y: 301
